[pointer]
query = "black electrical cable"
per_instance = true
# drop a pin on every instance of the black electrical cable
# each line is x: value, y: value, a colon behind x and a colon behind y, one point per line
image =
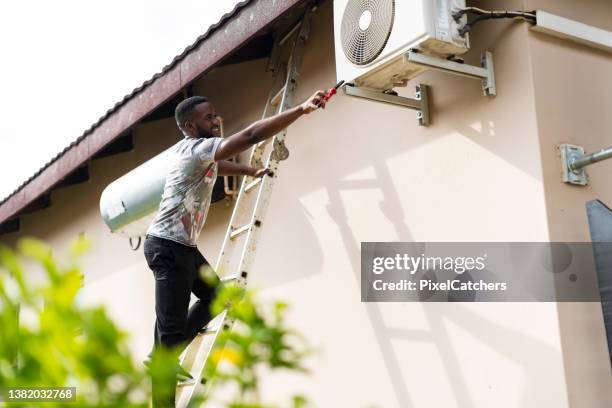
x: 481, y: 15
x: 135, y: 247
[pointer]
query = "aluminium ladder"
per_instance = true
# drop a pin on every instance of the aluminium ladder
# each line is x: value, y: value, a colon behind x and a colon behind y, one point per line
x: 251, y: 204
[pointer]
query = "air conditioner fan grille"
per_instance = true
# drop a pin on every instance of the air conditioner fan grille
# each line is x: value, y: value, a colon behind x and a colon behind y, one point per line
x: 365, y: 30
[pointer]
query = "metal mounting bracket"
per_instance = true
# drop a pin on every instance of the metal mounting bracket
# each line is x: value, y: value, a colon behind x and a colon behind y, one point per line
x: 574, y: 160
x: 569, y: 153
x: 420, y: 103
x: 485, y: 72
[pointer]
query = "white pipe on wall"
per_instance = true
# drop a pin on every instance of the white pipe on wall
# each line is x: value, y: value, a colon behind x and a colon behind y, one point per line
x: 572, y: 30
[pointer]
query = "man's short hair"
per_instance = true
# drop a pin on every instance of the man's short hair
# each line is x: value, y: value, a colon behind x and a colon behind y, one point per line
x: 184, y: 109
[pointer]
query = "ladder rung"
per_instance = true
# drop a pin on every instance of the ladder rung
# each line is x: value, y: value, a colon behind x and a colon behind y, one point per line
x: 276, y: 98
x: 290, y: 33
x: 234, y: 277
x: 187, y: 382
x: 253, y: 184
x: 230, y: 278
x: 209, y: 330
x: 239, y: 231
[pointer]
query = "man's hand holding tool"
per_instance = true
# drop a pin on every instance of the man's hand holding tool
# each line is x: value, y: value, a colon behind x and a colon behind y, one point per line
x: 319, y: 99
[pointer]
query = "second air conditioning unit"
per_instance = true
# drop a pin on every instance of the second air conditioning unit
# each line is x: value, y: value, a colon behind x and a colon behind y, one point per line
x: 372, y: 37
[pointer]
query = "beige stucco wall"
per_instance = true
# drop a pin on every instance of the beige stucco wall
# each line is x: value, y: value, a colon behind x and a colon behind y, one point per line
x: 359, y: 171
x: 573, y: 94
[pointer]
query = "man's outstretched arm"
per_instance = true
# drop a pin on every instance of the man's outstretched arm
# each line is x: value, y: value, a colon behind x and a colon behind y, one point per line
x: 266, y: 128
x: 228, y: 168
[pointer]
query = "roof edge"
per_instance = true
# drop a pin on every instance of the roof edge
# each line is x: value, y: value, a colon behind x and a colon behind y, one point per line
x: 248, y: 18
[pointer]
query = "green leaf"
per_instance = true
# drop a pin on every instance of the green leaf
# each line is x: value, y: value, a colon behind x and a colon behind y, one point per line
x: 35, y: 248
x: 79, y: 246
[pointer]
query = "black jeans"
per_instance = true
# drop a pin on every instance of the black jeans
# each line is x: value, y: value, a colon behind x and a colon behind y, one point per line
x: 176, y: 270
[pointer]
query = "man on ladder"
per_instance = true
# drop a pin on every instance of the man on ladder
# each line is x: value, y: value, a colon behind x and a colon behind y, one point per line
x: 170, y: 244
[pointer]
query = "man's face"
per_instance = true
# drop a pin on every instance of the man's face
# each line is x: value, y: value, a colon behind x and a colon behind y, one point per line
x: 205, y: 121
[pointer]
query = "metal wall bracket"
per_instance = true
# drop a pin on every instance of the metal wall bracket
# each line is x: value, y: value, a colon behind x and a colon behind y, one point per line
x: 485, y: 72
x: 420, y: 103
x: 569, y: 153
x: 574, y: 160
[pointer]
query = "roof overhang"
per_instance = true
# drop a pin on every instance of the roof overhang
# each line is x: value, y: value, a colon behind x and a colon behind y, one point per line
x: 235, y: 29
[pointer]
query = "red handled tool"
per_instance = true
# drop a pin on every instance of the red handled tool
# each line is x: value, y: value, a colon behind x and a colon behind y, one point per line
x: 332, y: 91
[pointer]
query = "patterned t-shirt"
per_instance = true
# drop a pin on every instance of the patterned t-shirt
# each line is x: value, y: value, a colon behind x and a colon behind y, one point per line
x: 186, y: 198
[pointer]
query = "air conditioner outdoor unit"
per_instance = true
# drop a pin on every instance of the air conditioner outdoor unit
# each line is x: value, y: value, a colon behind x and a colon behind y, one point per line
x: 372, y: 36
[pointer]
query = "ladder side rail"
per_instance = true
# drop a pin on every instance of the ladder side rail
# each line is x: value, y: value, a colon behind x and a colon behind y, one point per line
x: 265, y: 190
x: 185, y: 393
x: 241, y: 205
x: 242, y: 201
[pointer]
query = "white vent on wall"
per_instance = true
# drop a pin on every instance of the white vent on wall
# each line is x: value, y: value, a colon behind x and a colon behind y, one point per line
x: 371, y: 37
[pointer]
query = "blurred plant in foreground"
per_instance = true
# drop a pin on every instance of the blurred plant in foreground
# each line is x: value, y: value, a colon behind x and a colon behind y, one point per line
x: 258, y: 341
x: 67, y: 345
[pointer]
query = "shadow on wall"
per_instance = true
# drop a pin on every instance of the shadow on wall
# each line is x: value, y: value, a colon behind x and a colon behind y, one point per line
x: 438, y: 315
x: 367, y: 141
x: 293, y: 218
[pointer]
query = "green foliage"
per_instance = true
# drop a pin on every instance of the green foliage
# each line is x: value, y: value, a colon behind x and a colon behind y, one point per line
x: 258, y: 340
x: 65, y: 344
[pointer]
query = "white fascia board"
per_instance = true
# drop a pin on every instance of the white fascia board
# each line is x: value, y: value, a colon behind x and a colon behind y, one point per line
x: 572, y: 30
